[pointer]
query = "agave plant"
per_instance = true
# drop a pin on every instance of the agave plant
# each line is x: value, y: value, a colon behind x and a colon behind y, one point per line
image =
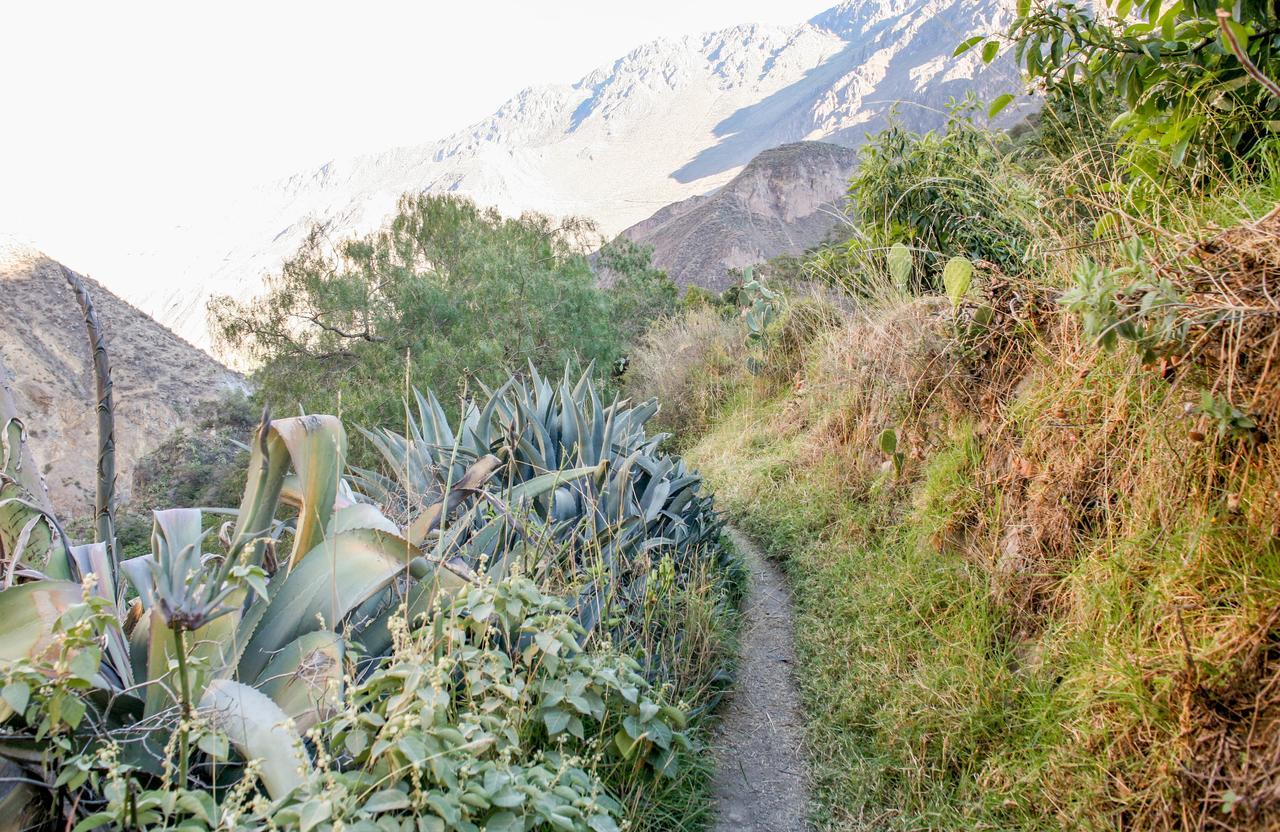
x: 644, y: 503
x: 228, y: 628
x: 219, y: 628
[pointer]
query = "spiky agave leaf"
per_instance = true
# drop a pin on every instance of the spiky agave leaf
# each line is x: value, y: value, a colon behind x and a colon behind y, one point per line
x: 260, y: 730
x: 316, y: 447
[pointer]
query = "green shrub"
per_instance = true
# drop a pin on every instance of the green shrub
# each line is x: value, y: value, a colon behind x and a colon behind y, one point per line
x: 447, y: 295
x: 492, y: 717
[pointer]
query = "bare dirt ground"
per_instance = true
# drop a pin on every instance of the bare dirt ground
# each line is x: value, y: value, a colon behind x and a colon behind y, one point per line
x: 760, y: 782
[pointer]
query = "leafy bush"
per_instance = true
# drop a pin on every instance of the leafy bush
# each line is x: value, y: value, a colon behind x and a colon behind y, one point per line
x: 180, y: 705
x: 491, y: 718
x: 951, y: 192
x: 604, y: 537
x: 1187, y: 97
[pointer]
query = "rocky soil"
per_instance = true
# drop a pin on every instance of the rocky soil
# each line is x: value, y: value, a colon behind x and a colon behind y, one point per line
x: 45, y: 362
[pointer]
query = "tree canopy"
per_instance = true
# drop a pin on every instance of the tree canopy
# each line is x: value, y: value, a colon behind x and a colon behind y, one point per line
x: 446, y: 295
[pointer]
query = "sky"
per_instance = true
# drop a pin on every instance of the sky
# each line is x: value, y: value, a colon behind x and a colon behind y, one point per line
x: 116, y: 117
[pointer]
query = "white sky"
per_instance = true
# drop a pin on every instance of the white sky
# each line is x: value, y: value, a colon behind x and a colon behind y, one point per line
x: 119, y: 116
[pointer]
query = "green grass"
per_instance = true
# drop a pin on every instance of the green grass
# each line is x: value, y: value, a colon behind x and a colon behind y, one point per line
x: 934, y: 702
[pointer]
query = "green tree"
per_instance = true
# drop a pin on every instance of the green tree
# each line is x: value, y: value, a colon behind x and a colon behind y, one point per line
x: 944, y: 193
x: 638, y: 290
x: 446, y: 295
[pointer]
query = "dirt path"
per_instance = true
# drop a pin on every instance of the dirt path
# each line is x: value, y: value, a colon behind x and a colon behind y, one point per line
x: 760, y: 782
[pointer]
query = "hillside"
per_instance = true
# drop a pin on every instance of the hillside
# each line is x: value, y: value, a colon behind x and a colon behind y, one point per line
x: 45, y: 360
x: 666, y: 122
x: 784, y: 201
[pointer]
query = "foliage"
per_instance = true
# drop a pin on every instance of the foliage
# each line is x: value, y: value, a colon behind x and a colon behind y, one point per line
x: 234, y: 649
x: 200, y: 466
x: 1129, y: 302
x: 446, y: 295
x: 638, y: 291
x: 491, y: 718
x: 888, y: 442
x: 600, y: 536
x: 761, y: 306
x: 957, y: 277
x: 934, y: 196
x: 1187, y: 97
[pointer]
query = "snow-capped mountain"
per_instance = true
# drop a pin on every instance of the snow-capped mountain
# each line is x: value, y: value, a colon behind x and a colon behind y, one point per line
x: 670, y: 120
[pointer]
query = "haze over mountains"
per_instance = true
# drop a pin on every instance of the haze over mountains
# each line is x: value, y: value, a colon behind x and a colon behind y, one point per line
x: 671, y: 120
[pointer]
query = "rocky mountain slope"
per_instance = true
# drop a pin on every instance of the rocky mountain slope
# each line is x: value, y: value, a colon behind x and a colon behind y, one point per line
x: 44, y: 361
x: 672, y: 119
x: 784, y: 201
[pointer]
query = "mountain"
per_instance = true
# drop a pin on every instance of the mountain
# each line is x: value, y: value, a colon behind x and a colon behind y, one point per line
x: 672, y: 119
x: 45, y: 362
x: 784, y: 201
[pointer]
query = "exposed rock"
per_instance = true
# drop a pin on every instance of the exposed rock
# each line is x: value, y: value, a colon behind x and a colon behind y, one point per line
x: 784, y: 201
x: 44, y: 360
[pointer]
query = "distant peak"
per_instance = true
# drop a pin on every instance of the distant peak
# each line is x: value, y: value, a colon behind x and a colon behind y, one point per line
x: 851, y: 15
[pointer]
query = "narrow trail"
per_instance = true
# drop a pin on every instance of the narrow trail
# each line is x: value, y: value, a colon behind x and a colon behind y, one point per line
x: 760, y: 782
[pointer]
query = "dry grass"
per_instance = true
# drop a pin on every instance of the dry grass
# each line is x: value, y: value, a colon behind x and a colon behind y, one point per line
x: 691, y: 363
x: 1066, y: 611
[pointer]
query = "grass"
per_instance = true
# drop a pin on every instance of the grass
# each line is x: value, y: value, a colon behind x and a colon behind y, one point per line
x: 981, y: 650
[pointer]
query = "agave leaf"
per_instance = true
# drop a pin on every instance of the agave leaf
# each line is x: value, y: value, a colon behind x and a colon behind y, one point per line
x: 540, y: 485
x: 29, y: 535
x: 329, y: 582
x: 25, y: 513
x: 359, y: 516
x: 93, y: 558
x: 28, y: 613
x: 305, y: 677
x: 429, y: 520
x: 317, y: 448
x: 209, y: 650
x: 259, y: 730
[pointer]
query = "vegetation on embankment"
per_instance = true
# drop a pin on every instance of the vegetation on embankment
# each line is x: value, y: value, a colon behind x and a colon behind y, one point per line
x: 1013, y: 444
x: 1062, y: 611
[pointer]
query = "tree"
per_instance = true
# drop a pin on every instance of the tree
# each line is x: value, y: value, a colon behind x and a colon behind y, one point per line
x: 639, y: 291
x: 447, y: 295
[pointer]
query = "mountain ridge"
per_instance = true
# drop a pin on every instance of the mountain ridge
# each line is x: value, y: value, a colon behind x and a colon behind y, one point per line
x: 784, y: 201
x: 45, y: 362
x: 671, y: 119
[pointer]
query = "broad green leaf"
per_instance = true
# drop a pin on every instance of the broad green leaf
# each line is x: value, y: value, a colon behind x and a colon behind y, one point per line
x: 28, y: 613
x: 990, y: 50
x: 390, y: 800
x: 329, y: 582
x: 999, y: 104
x: 430, y: 519
x: 318, y: 451
x: 957, y: 276
x: 305, y: 678
x: 966, y: 45
x: 316, y: 448
x: 260, y: 731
